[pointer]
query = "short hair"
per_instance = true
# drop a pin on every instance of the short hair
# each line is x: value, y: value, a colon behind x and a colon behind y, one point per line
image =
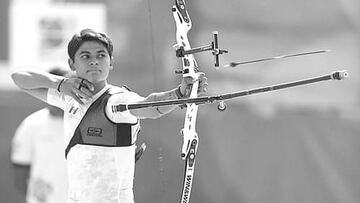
x: 88, y: 35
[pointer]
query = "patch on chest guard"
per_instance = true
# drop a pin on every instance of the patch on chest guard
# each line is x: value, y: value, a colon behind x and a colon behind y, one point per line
x: 94, y: 132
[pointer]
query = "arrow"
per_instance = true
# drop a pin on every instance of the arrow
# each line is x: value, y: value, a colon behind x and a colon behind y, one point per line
x: 233, y: 64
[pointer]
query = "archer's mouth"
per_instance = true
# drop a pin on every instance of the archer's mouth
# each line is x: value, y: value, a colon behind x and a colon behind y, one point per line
x: 93, y: 71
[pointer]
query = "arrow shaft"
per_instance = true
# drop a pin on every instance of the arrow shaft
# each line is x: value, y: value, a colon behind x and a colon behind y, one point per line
x: 233, y: 64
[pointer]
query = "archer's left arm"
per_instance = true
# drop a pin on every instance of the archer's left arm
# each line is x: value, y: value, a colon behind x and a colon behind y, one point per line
x: 180, y: 92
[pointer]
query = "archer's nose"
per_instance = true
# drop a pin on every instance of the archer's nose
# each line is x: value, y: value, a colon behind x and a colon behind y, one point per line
x: 94, y: 63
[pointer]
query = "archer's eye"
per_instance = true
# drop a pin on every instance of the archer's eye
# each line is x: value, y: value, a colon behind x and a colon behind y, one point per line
x: 102, y: 55
x: 85, y: 56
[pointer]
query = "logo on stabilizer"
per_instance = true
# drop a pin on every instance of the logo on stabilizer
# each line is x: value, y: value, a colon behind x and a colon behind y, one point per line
x: 95, y: 132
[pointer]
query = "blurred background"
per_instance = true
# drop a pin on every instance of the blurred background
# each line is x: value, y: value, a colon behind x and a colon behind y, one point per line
x: 294, y: 145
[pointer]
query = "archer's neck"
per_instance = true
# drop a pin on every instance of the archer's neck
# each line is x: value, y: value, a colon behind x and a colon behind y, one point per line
x: 99, y: 86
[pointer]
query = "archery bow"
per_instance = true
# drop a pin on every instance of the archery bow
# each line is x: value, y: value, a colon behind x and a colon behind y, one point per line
x: 190, y: 69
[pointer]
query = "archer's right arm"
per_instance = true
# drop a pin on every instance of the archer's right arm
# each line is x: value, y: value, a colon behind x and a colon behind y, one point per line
x: 37, y: 83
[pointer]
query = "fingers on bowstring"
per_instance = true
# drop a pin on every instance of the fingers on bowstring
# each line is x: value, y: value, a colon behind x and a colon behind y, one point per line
x: 79, y: 92
x: 84, y: 89
x: 87, y: 84
x: 85, y: 92
x: 76, y: 97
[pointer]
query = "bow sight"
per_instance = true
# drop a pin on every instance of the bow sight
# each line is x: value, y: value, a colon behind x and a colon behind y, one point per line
x: 213, y: 46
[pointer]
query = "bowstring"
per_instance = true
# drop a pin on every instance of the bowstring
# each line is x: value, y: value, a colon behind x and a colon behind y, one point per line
x: 160, y: 155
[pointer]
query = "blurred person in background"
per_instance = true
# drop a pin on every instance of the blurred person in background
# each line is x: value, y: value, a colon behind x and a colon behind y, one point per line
x: 100, y: 140
x: 38, y: 155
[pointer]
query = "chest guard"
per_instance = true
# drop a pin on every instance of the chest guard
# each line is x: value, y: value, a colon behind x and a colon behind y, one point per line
x: 97, y: 129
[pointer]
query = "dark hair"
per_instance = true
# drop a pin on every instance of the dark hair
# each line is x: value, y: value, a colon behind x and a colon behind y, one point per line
x: 88, y: 35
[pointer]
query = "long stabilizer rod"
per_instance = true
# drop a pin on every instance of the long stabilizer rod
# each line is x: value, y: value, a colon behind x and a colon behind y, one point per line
x: 336, y: 75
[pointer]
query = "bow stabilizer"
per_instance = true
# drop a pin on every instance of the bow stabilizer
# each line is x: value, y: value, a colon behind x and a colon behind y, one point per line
x: 336, y: 75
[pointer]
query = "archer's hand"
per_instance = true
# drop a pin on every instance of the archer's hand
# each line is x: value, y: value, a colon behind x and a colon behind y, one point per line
x: 77, y: 88
x: 186, y: 83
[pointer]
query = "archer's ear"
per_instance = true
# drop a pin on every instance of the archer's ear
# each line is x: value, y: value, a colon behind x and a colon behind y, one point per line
x: 111, y: 62
x: 71, y: 64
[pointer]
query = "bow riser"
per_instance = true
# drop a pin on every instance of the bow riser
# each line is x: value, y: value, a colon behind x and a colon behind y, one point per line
x: 183, y: 25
